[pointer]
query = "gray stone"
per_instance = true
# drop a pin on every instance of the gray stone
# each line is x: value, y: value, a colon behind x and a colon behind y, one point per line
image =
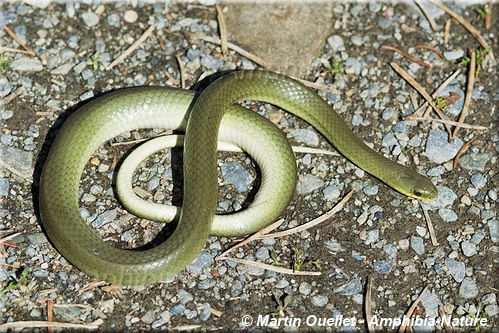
x: 478, y: 180
x: 4, y: 187
x: 494, y: 230
x: 319, y: 300
x: 331, y: 192
x: 469, y: 249
x: 90, y: 18
x: 456, y: 269
x: 474, y: 161
x: 105, y: 218
x: 305, y: 136
x: 27, y: 64
x: 233, y: 173
x: 203, y: 260
x: 453, y: 55
x: 383, y: 266
x: 438, y: 147
x: 352, y: 287
x: 417, y: 244
x: 308, y: 184
x: 468, y: 288
x: 448, y: 215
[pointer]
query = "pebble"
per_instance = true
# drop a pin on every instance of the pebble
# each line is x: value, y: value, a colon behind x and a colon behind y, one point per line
x: 383, y: 266
x: 203, y: 260
x: 233, y: 173
x: 25, y: 64
x: 494, y: 230
x: 106, y: 217
x: 469, y: 249
x: 456, y: 269
x: 305, y: 136
x: 130, y: 16
x: 448, y: 215
x: 370, y: 190
x: 309, y: 183
x: 453, y: 55
x: 320, y: 300
x: 350, y: 288
x: 439, y: 149
x: 4, y: 187
x: 90, y: 19
x: 372, y: 236
x: 468, y: 288
x: 474, y: 161
x: 417, y: 244
x: 336, y: 43
x: 478, y: 180
x: 331, y: 192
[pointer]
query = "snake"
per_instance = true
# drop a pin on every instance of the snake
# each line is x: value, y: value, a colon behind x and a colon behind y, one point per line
x: 202, y: 117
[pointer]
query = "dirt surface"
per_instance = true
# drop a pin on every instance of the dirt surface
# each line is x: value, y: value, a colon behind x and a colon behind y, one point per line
x: 379, y: 233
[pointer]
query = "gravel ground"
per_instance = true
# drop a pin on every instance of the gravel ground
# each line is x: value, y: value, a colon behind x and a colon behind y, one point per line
x: 379, y: 233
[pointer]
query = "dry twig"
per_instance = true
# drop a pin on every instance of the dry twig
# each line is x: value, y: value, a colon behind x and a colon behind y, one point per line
x: 449, y: 122
x: 132, y: 48
x: 434, y: 95
x: 431, y: 230
x: 465, y: 24
x: 257, y: 60
x: 368, y: 306
x: 438, y: 52
x: 18, y: 41
x: 268, y: 267
x: 461, y: 151
x: 182, y: 71
x: 421, y: 90
x: 427, y: 14
x: 469, y: 91
x: 222, y: 29
x: 408, y: 56
x: 9, y: 98
x: 38, y: 323
x: 447, y: 31
x: 409, y: 312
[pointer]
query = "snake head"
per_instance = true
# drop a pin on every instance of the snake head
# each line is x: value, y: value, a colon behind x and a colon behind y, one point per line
x: 417, y: 186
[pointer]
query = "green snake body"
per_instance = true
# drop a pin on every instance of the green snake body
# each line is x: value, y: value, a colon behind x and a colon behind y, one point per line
x: 201, y: 117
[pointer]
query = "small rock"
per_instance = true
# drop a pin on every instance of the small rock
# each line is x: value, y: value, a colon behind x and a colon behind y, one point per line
x: 91, y: 19
x: 383, y: 266
x: 456, y: 269
x: 319, y: 300
x: 233, y: 173
x: 448, y: 215
x: 453, y: 55
x: 203, y: 260
x: 305, y: 136
x: 352, y: 287
x: 336, y: 43
x: 468, y: 288
x: 4, y: 187
x: 372, y: 236
x: 331, y: 192
x: 438, y: 147
x: 494, y: 230
x: 370, y: 190
x: 104, y: 218
x: 305, y: 288
x: 308, y: 184
x: 25, y: 64
x: 417, y: 244
x: 478, y: 180
x: 474, y: 161
x: 469, y: 249
x: 131, y: 16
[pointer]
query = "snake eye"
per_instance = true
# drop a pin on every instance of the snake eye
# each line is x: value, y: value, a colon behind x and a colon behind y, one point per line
x: 417, y: 193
